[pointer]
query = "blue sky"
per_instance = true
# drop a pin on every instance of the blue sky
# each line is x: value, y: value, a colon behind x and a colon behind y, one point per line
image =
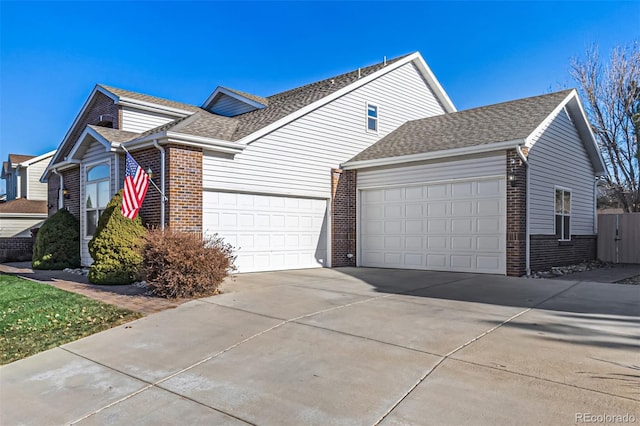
x: 53, y: 53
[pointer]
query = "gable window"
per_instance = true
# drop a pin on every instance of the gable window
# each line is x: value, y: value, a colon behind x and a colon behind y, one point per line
x: 372, y: 118
x: 563, y: 214
x: 97, y: 195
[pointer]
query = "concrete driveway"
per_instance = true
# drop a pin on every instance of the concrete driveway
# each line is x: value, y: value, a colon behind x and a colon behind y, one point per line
x: 351, y: 346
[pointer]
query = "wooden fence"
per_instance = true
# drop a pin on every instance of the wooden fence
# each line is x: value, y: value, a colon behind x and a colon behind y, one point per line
x: 619, y: 237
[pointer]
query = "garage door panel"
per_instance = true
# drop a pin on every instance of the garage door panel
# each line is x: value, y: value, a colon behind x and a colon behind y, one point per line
x: 268, y: 232
x: 449, y: 226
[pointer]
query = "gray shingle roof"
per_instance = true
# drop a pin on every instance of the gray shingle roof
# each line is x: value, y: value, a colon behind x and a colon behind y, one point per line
x: 501, y: 122
x: 202, y: 123
x: 149, y: 98
x: 290, y: 101
x: 114, y: 135
x: 22, y: 205
x: 255, y: 98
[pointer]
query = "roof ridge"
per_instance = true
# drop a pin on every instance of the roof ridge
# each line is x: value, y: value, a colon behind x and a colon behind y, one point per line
x: 114, y: 90
x: 567, y: 91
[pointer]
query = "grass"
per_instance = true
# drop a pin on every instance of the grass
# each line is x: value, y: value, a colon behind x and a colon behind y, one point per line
x: 35, y: 317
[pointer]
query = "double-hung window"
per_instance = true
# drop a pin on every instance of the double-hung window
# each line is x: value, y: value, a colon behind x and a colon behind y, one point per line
x: 563, y: 214
x: 97, y: 195
x: 372, y: 118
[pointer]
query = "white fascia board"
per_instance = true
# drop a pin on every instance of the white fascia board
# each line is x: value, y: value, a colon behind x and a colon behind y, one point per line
x: 24, y: 215
x: 38, y: 158
x: 320, y: 102
x: 476, y: 149
x: 435, y: 84
x: 206, y: 104
x: 148, y: 106
x: 88, y: 131
x: 574, y: 106
x: 208, y: 144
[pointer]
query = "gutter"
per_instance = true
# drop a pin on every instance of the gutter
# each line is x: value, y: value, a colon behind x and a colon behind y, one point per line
x: 528, y: 231
x: 163, y: 198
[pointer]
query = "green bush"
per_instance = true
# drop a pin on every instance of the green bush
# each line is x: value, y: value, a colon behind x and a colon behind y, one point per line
x: 57, y: 244
x: 115, y: 246
x: 178, y: 264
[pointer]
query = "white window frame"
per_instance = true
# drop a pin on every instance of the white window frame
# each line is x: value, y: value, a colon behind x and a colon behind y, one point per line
x: 561, y: 234
x: 367, y: 117
x: 87, y: 168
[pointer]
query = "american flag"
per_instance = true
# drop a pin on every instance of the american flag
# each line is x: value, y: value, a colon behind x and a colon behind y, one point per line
x: 136, y: 183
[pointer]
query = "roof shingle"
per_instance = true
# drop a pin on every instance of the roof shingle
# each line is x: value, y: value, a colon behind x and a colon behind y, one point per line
x: 501, y: 122
x: 22, y: 205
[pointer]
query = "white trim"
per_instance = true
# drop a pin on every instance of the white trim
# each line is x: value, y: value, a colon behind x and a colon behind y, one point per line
x: 149, y: 106
x: 223, y: 90
x: 475, y: 149
x: 25, y: 215
x: 555, y: 231
x: 368, y: 104
x: 574, y: 108
x: 205, y: 143
x: 109, y: 147
x: 329, y: 237
x: 358, y: 252
x: 527, y: 251
x: 38, y: 158
x: 422, y: 66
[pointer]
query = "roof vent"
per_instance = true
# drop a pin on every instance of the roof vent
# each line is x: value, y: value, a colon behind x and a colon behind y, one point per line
x: 384, y: 61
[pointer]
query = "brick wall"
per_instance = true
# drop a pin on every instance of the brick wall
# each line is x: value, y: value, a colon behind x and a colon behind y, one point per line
x: 343, y: 217
x: 16, y: 249
x: 184, y: 188
x: 150, y: 210
x: 516, y: 215
x: 72, y: 183
x: 53, y: 188
x: 547, y: 251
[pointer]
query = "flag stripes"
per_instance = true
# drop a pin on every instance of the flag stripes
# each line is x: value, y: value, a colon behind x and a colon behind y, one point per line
x: 136, y: 183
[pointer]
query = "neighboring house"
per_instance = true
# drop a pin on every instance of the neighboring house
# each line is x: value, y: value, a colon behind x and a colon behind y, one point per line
x: 26, y: 203
x: 370, y: 168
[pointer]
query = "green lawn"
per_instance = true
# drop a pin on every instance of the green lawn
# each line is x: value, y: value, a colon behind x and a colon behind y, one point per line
x: 35, y: 317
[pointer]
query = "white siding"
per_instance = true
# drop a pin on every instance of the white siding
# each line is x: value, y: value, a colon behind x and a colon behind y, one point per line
x: 558, y: 157
x: 434, y: 171
x: 12, y: 226
x: 135, y: 120
x: 296, y: 159
x: 35, y: 189
x: 95, y: 153
x: 229, y: 106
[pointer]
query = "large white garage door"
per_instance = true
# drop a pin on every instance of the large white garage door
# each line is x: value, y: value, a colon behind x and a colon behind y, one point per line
x: 446, y: 226
x: 269, y: 233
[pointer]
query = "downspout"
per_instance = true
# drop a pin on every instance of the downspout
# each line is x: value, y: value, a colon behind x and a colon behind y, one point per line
x: 528, y: 231
x: 595, y: 205
x: 60, y: 194
x: 18, y: 182
x: 162, y: 181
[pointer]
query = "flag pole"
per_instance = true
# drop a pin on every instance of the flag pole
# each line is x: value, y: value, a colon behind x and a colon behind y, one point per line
x: 150, y: 180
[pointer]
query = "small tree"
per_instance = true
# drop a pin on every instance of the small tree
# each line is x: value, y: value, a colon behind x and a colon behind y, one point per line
x: 611, y: 91
x: 115, y: 246
x: 57, y: 244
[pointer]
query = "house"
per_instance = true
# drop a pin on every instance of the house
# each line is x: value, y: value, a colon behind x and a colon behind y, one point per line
x: 25, y: 207
x: 373, y: 167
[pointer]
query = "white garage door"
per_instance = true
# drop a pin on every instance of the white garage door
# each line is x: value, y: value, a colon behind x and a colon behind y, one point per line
x: 446, y: 226
x: 269, y: 233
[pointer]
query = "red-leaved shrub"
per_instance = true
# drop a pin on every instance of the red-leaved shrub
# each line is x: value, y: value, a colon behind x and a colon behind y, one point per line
x: 180, y: 264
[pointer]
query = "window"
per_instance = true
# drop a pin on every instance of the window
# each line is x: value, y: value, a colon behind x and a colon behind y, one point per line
x: 372, y: 118
x: 97, y: 194
x: 563, y: 214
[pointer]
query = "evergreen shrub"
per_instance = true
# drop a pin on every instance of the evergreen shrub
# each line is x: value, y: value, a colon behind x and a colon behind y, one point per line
x: 57, y: 244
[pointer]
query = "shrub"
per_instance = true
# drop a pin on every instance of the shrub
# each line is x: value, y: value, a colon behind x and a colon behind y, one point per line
x: 177, y: 264
x: 115, y: 246
x: 57, y: 244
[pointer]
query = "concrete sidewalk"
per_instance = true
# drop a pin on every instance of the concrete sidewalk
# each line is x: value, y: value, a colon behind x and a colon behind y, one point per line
x: 350, y: 346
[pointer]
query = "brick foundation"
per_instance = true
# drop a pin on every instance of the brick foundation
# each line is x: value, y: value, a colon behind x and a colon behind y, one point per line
x: 516, y: 215
x: 546, y: 251
x: 343, y: 217
x: 16, y: 249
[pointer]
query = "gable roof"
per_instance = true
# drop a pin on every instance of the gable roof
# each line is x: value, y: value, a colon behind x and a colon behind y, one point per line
x: 201, y: 123
x: 22, y: 205
x: 15, y: 159
x: 500, y: 126
x: 122, y: 93
x: 113, y: 135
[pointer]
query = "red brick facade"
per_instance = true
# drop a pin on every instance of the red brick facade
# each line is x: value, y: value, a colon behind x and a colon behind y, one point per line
x: 72, y: 184
x: 343, y: 217
x: 516, y: 214
x: 184, y: 188
x: 150, y: 210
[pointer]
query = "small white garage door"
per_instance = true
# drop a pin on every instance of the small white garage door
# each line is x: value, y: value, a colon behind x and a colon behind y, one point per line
x: 270, y: 233
x: 446, y: 226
